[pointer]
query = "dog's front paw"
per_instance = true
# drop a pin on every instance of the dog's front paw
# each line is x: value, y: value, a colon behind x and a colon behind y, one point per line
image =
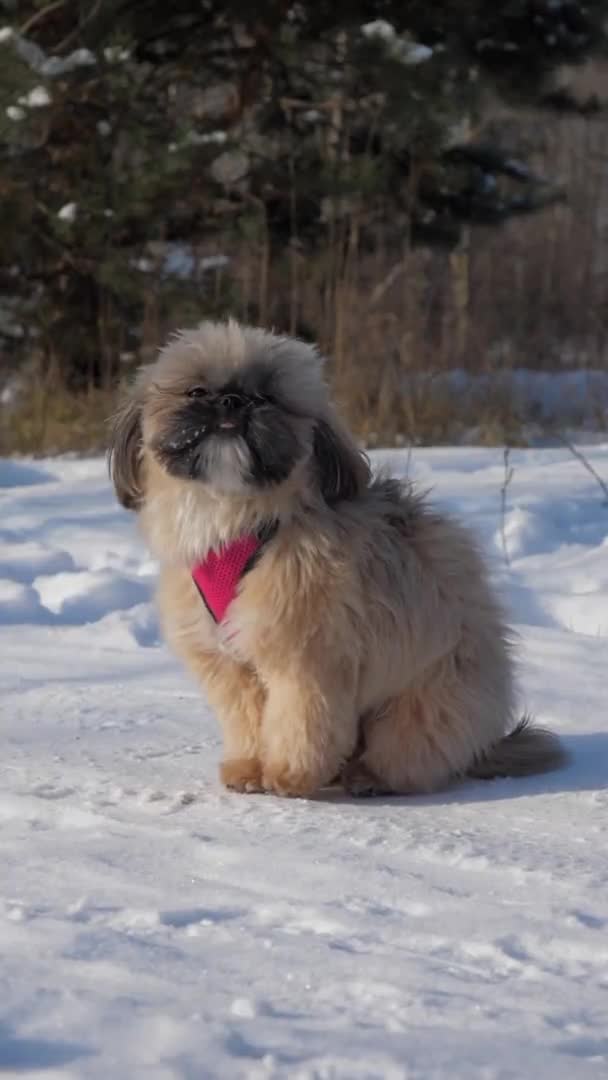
x: 361, y: 782
x: 283, y: 780
x: 242, y: 774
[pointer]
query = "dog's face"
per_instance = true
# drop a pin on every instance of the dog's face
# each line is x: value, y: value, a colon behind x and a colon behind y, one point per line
x: 231, y: 430
x: 236, y: 411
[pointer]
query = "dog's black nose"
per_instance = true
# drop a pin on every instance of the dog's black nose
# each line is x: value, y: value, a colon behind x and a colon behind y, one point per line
x: 230, y: 409
x: 230, y: 402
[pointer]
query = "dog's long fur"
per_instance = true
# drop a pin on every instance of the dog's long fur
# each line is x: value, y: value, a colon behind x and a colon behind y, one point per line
x: 366, y: 642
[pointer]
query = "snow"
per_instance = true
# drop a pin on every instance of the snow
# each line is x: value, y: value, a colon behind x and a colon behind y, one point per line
x: 570, y: 397
x: 37, y: 98
x: 59, y: 65
x: 379, y: 29
x: 202, y: 137
x: 176, y: 260
x: 153, y: 925
x: 38, y: 61
x: 400, y: 48
x: 116, y: 54
x: 213, y: 262
x: 413, y: 53
x: 68, y: 212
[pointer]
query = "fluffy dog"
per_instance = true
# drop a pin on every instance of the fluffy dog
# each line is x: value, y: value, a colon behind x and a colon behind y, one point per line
x: 340, y: 626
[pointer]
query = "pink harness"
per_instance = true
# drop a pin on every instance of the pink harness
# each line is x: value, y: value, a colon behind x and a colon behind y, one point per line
x: 218, y: 575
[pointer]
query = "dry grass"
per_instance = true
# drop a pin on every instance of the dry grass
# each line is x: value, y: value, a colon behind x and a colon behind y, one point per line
x: 47, y: 420
x: 380, y: 407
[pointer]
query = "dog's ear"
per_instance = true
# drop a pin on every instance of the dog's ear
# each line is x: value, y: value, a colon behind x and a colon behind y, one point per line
x: 124, y: 454
x: 342, y: 469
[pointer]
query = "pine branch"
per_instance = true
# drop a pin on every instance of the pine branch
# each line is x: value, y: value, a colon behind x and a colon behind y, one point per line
x: 39, y: 16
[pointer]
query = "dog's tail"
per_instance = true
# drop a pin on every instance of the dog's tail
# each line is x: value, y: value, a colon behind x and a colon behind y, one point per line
x: 526, y: 750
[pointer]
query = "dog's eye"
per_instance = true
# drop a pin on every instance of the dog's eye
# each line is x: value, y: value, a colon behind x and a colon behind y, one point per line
x: 197, y: 391
x: 260, y: 399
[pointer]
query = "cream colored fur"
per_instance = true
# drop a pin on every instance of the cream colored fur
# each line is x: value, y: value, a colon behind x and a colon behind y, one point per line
x: 365, y: 643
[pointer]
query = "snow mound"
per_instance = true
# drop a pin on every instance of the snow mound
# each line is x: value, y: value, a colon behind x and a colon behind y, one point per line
x: 19, y: 474
x: 85, y: 596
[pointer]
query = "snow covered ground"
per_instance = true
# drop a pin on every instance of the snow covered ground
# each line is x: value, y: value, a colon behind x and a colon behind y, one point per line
x: 153, y: 925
